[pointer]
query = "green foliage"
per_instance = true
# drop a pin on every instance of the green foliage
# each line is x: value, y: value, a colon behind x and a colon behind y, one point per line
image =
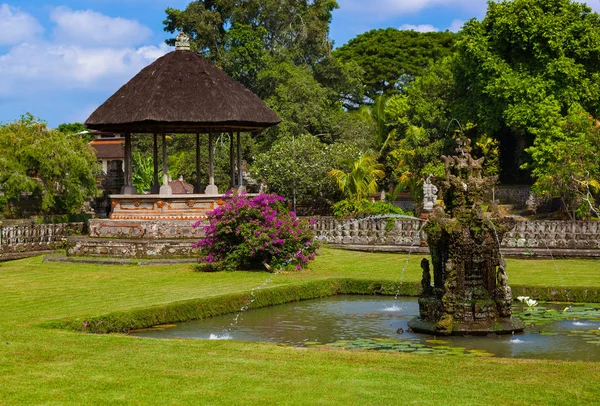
x: 420, y: 120
x: 297, y: 167
x: 246, y: 55
x: 248, y: 233
x: 364, y: 208
x: 143, y: 172
x: 566, y: 162
x: 527, y: 59
x: 361, y: 181
x: 391, y: 59
x: 48, y: 165
x: 300, y: 36
x: 297, y: 97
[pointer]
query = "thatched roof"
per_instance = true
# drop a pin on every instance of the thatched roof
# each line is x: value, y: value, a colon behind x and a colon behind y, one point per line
x: 182, y: 92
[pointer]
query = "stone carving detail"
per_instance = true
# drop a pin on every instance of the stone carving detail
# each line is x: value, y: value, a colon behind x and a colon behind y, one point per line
x: 471, y: 293
x: 429, y: 194
x: 137, y: 203
x: 182, y: 42
x: 160, y: 204
x: 190, y: 203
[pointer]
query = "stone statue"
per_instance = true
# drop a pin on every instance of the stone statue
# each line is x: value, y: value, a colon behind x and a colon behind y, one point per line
x: 426, y: 278
x: 182, y: 42
x: 429, y: 194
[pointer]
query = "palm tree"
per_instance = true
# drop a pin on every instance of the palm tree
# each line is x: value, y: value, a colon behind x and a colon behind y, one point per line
x: 361, y: 181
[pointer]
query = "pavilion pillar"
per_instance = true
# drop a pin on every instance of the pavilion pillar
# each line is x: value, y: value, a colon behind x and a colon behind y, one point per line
x: 211, y: 189
x: 128, y: 188
x: 198, y: 185
x: 155, y: 185
x: 231, y: 160
x: 165, y: 189
x: 240, y: 185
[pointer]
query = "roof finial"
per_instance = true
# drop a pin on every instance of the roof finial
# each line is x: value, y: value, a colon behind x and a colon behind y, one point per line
x: 182, y: 42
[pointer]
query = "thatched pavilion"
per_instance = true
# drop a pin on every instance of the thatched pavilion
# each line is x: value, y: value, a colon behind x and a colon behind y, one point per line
x: 180, y: 93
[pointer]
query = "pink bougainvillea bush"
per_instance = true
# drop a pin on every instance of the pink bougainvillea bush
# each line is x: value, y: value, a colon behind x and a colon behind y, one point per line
x: 255, y: 232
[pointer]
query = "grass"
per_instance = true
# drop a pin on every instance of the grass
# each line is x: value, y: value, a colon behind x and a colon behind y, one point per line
x: 39, y: 365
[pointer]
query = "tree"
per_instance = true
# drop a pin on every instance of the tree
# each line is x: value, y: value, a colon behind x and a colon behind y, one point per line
x: 391, y: 59
x: 524, y: 58
x: 293, y: 29
x: 566, y: 162
x: 422, y: 124
x: 56, y: 168
x: 361, y: 181
x: 297, y: 167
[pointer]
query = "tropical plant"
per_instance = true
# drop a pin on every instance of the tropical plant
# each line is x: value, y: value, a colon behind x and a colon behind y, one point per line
x: 143, y: 172
x: 524, y: 59
x: 566, y: 164
x: 361, y: 181
x: 390, y: 59
x: 54, y: 168
x: 297, y: 167
x: 248, y: 233
x: 365, y: 208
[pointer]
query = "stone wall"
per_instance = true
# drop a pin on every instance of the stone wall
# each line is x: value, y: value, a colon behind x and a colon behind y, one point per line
x: 133, y: 248
x: 369, y: 231
x: 512, y: 194
x: 563, y: 235
x: 28, y: 237
x: 145, y: 229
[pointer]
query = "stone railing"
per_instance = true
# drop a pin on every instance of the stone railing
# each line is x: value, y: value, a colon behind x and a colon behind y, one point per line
x: 369, y: 231
x: 563, y: 235
x: 30, y: 237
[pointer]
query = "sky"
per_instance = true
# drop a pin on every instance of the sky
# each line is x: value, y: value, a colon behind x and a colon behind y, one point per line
x: 61, y: 59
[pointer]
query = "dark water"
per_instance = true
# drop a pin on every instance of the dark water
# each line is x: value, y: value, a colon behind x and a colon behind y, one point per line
x: 348, y: 318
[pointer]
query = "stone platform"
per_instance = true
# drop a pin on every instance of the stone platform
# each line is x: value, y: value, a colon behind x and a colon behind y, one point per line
x: 147, y: 227
x: 163, y: 207
x: 141, y: 239
x: 469, y: 328
x: 131, y: 248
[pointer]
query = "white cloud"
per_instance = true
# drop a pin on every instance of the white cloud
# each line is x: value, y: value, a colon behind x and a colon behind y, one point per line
x: 44, y: 66
x: 456, y: 25
x: 88, y: 27
x: 15, y: 25
x: 418, y: 28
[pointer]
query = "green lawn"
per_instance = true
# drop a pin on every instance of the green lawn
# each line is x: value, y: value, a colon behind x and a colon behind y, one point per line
x: 39, y: 365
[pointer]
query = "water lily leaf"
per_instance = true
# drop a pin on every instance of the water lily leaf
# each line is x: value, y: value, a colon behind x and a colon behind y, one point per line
x: 436, y: 341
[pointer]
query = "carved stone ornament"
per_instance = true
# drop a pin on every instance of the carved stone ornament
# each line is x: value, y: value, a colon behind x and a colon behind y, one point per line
x: 429, y: 194
x: 190, y: 203
x: 182, y: 42
x: 160, y: 204
x: 137, y: 203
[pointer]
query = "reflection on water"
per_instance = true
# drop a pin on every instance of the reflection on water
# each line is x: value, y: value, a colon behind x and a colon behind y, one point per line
x: 348, y: 318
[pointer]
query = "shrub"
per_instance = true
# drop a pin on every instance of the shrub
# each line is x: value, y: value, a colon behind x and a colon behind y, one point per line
x: 248, y: 233
x: 365, y: 208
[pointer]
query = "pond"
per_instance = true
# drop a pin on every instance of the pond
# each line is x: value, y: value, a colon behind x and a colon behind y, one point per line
x: 554, y: 331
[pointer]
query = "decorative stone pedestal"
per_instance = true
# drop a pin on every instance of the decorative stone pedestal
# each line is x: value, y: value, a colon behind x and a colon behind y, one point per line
x: 163, y: 207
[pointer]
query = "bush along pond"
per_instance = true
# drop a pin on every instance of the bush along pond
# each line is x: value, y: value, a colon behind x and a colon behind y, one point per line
x: 470, y: 293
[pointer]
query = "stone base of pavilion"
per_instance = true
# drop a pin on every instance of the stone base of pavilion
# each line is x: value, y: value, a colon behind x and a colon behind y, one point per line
x: 147, y: 227
x: 135, y: 248
x: 163, y: 207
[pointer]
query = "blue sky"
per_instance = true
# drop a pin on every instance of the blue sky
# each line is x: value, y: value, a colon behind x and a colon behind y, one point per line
x: 60, y: 59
